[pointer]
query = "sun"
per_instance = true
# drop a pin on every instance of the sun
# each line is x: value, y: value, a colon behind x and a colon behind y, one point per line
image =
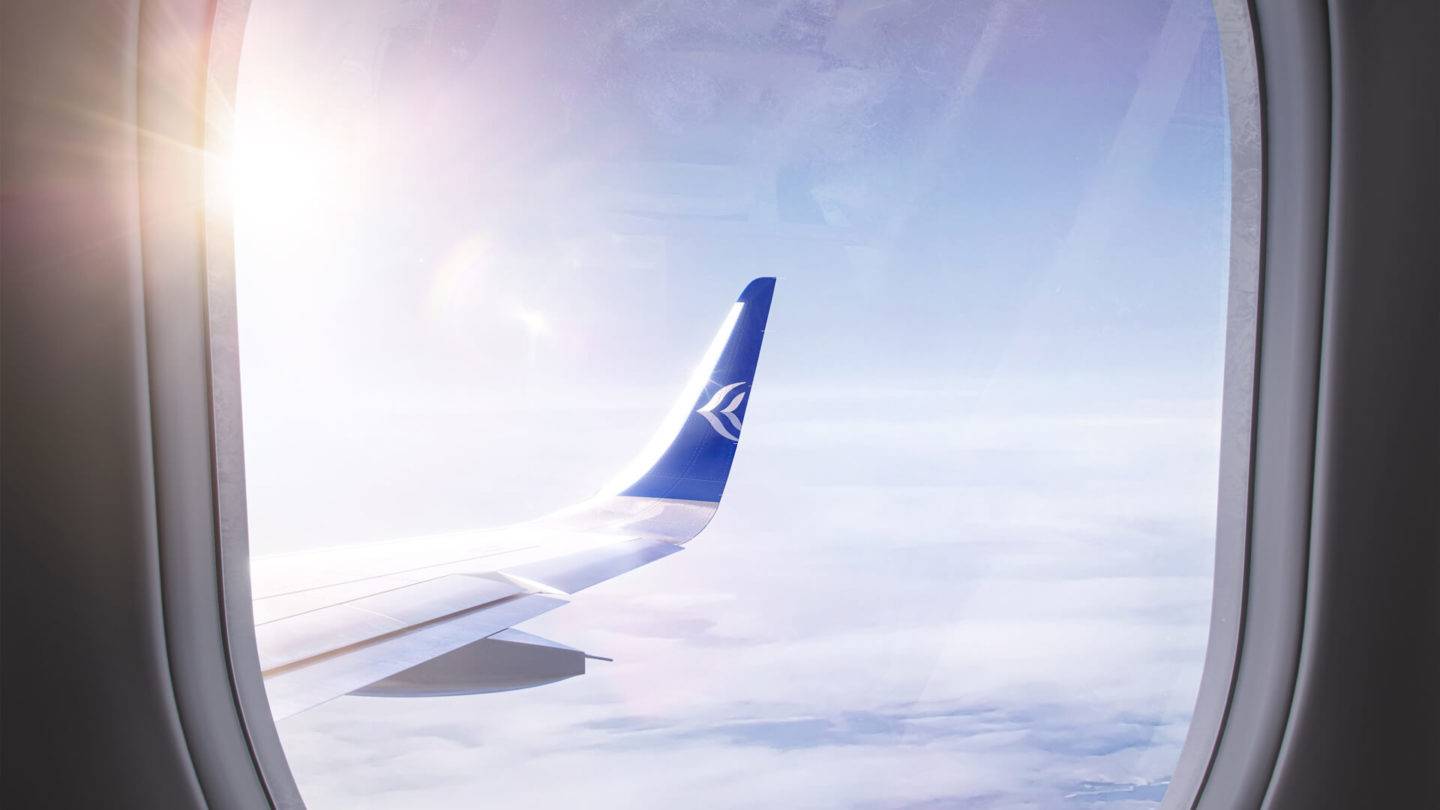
x: 283, y: 177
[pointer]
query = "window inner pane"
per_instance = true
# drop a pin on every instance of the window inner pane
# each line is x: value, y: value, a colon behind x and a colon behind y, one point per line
x: 964, y: 556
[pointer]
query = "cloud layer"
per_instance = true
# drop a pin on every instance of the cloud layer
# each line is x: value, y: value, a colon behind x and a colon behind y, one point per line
x: 1024, y: 630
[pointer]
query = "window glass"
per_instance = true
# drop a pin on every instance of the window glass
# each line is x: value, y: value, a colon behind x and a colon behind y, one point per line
x: 964, y: 555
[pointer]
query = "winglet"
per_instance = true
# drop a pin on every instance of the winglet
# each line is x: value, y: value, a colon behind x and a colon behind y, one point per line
x: 689, y: 458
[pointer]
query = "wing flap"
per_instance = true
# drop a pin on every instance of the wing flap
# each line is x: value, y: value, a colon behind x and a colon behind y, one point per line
x: 508, y: 660
x: 296, y: 638
x: 310, y: 683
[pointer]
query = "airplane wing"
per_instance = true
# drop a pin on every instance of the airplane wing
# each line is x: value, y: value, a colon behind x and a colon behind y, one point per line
x: 436, y: 615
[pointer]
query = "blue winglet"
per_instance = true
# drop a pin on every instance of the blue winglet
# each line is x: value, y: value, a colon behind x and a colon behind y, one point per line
x: 690, y: 456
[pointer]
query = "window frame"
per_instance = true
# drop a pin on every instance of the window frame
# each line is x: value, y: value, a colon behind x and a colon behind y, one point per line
x: 1278, y: 64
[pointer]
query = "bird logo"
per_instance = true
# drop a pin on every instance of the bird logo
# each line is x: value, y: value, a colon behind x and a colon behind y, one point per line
x: 726, y: 413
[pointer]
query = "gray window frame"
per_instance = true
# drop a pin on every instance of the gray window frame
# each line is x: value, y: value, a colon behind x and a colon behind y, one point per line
x: 1262, y: 670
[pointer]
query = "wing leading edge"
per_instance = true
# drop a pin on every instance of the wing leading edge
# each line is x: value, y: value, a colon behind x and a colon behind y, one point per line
x: 434, y: 615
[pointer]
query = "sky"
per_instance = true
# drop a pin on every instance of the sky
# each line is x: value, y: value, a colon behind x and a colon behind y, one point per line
x: 964, y: 557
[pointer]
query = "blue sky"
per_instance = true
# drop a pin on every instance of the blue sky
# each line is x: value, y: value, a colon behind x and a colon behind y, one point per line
x: 964, y: 559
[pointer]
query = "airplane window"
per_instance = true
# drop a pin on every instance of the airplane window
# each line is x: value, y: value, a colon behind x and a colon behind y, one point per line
x: 963, y: 557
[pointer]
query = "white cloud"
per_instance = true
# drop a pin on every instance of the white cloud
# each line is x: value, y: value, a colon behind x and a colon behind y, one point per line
x: 973, y: 644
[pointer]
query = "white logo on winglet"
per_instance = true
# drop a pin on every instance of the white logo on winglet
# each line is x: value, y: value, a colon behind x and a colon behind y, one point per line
x: 728, y: 412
